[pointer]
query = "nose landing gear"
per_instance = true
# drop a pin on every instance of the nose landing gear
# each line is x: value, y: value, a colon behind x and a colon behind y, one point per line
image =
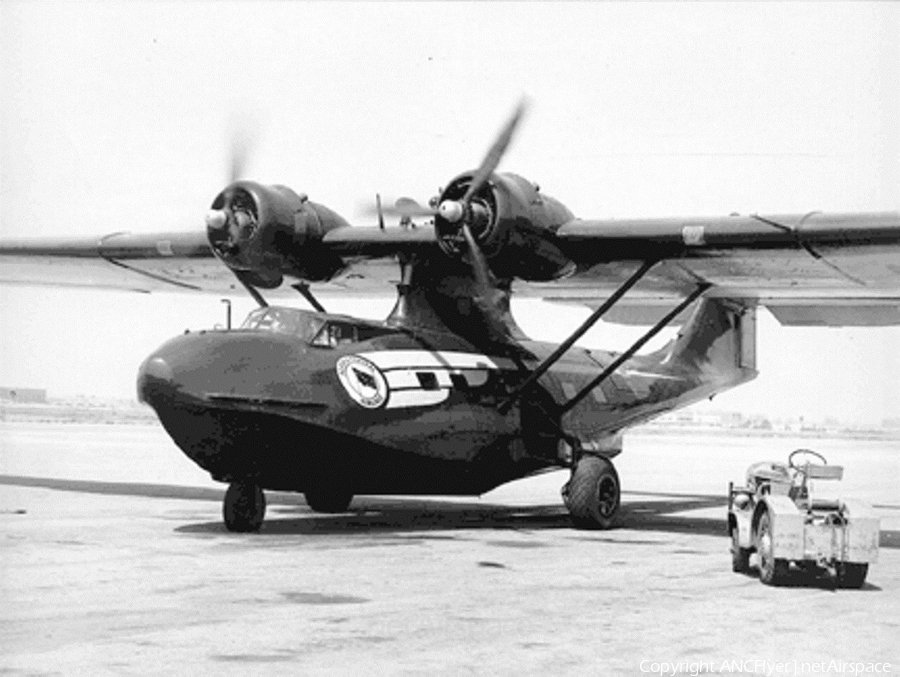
x: 244, y: 507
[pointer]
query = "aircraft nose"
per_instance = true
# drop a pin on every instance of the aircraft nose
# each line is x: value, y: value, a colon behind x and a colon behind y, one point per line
x: 154, y: 378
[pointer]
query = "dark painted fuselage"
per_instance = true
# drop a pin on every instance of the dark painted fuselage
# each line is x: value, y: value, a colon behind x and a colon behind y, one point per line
x: 299, y: 400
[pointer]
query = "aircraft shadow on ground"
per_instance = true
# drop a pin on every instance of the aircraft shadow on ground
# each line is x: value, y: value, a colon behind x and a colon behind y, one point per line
x: 413, y: 514
x: 288, y: 514
x: 115, y: 488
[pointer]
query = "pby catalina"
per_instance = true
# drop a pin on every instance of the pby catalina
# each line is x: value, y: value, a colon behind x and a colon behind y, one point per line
x: 447, y: 395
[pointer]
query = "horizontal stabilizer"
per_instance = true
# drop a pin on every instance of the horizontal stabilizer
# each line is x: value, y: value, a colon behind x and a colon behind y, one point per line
x: 861, y: 315
x: 862, y: 312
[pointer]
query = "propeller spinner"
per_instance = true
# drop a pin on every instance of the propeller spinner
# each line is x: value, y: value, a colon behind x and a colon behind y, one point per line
x: 232, y: 219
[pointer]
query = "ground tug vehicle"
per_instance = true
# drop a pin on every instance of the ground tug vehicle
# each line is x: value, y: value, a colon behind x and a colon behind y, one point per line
x: 779, y: 516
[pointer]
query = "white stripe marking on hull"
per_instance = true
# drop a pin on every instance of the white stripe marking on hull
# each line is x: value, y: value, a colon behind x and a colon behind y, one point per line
x: 435, y: 359
x: 416, y: 398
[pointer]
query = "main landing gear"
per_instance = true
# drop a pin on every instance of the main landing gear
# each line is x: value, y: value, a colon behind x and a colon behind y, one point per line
x: 593, y: 495
x: 244, y: 507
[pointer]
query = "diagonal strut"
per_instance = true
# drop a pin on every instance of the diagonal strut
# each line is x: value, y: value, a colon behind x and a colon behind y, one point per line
x: 577, y: 334
x: 628, y: 354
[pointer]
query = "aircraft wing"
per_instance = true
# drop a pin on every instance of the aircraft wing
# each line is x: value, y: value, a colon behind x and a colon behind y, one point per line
x: 184, y: 261
x: 809, y: 269
x: 121, y: 261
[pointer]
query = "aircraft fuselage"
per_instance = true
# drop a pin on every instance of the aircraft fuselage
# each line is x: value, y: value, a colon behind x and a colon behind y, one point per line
x: 297, y: 400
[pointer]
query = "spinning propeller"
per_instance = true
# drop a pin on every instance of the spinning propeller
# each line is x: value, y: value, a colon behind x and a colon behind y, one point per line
x: 264, y: 232
x: 233, y: 218
x: 468, y: 212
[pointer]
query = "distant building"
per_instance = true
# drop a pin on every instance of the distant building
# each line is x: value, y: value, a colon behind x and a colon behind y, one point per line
x: 29, y: 395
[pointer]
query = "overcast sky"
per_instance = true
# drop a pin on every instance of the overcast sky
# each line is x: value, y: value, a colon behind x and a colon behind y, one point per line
x: 115, y: 116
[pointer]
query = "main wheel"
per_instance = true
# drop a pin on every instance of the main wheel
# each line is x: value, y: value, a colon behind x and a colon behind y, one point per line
x: 328, y: 500
x: 851, y: 574
x: 592, y: 495
x: 740, y: 557
x: 772, y: 571
x: 244, y: 507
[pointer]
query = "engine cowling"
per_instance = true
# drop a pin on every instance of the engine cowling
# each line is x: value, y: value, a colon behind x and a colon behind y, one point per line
x: 266, y: 232
x: 512, y: 222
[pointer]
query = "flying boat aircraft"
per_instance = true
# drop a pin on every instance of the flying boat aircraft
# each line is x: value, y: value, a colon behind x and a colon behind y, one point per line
x: 447, y: 395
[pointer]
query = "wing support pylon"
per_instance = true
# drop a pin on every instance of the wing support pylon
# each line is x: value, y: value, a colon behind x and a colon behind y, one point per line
x: 557, y: 354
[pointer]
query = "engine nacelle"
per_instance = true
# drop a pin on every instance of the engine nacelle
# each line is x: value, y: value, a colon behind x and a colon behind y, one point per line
x: 513, y: 223
x: 267, y: 232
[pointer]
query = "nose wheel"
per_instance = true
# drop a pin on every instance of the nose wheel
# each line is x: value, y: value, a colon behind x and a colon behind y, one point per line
x: 244, y: 507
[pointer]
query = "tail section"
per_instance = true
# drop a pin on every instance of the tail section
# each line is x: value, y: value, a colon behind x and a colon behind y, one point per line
x: 721, y: 332
x: 714, y: 351
x: 717, y: 344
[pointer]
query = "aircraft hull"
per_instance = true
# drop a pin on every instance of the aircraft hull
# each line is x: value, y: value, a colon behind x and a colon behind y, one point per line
x: 398, y: 414
x: 287, y: 453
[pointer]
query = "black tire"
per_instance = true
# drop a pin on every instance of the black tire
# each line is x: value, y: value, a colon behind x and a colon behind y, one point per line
x: 593, y: 494
x: 772, y: 571
x: 851, y: 574
x: 244, y: 507
x: 740, y: 557
x: 328, y: 500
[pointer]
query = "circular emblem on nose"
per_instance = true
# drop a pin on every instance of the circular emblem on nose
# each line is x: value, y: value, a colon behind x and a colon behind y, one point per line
x: 363, y: 381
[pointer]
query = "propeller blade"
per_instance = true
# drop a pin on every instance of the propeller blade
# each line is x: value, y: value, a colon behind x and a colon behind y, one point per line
x: 240, y: 148
x: 479, y: 263
x: 380, y: 213
x: 496, y: 152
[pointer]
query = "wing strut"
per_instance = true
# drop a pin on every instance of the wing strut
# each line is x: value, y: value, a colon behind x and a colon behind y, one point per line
x: 305, y: 292
x: 253, y: 291
x: 577, y: 334
x: 627, y: 355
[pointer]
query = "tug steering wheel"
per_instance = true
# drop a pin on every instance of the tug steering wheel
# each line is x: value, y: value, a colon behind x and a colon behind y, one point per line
x: 804, y: 452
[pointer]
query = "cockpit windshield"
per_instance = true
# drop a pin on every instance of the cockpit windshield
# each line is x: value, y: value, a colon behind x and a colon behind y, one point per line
x: 313, y: 328
x: 301, y: 323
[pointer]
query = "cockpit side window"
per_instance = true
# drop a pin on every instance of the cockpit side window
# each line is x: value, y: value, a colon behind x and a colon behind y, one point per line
x: 283, y: 321
x: 336, y: 334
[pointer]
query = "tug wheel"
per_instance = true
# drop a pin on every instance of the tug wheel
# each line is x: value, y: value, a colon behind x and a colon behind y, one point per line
x: 772, y: 571
x: 740, y: 557
x: 244, y: 507
x: 593, y: 494
x: 851, y: 574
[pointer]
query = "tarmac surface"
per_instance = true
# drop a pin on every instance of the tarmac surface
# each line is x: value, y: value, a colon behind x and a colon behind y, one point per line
x: 114, y: 561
